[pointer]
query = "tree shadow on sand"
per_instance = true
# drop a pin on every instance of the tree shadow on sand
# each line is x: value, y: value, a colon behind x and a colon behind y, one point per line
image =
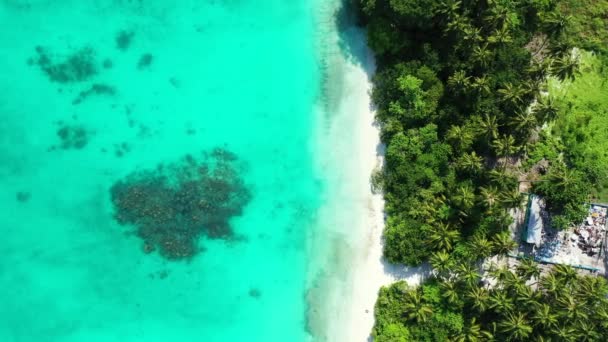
x: 352, y: 37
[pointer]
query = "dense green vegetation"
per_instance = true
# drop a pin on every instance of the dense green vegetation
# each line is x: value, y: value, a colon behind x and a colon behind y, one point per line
x: 454, y: 90
x: 582, y: 122
x: 575, y: 146
x: 461, y: 92
x: 588, y: 23
x: 521, y: 305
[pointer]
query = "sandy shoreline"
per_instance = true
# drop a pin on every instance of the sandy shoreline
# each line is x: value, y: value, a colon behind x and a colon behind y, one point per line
x: 349, y: 269
x: 367, y: 271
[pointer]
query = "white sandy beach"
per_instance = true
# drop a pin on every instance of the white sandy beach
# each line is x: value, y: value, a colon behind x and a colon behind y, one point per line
x: 350, y: 269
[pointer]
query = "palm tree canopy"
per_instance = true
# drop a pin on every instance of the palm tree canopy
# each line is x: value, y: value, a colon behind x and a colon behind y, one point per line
x: 505, y: 146
x: 479, y: 298
x: 565, y: 67
x: 441, y: 261
x: 470, y: 162
x: 503, y: 243
x: 480, y: 246
x: 443, y: 237
x: 415, y: 308
x: 528, y: 268
x: 516, y: 326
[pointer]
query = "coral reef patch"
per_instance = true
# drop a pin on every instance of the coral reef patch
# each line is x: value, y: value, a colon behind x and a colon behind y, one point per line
x: 95, y: 89
x: 255, y: 293
x: 175, y: 204
x: 23, y: 196
x: 77, y: 67
x: 121, y: 149
x: 145, y: 61
x: 107, y: 63
x: 124, y: 39
x: 72, y: 137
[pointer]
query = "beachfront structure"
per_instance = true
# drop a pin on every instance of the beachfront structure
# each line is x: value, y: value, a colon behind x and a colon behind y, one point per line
x: 582, y: 247
x: 534, y: 227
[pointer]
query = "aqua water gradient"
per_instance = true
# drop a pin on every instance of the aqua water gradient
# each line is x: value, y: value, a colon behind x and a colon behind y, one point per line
x: 193, y: 75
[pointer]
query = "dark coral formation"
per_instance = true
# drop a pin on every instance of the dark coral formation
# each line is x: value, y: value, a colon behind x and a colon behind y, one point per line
x: 121, y: 149
x: 95, y: 89
x: 72, y: 137
x: 255, y: 293
x: 123, y: 40
x: 23, y: 196
x: 77, y: 67
x: 144, y: 61
x: 172, y: 206
x: 107, y: 63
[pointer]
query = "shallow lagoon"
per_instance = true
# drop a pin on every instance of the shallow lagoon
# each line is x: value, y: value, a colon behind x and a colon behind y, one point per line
x: 191, y: 76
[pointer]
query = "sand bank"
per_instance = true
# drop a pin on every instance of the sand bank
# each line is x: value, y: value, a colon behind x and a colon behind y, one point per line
x: 349, y: 268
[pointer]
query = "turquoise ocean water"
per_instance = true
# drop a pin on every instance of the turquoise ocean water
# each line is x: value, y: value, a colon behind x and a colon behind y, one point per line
x: 148, y: 83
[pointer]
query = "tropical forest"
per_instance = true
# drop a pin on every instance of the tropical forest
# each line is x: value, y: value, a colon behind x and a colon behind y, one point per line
x: 481, y: 102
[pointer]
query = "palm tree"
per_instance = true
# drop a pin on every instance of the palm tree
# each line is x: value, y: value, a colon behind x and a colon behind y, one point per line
x: 470, y: 162
x: 554, y: 23
x: 415, y: 308
x: 601, y: 316
x: 540, y: 70
x: 449, y: 8
x: 480, y: 246
x: 565, y: 67
x: 544, y: 317
x: 505, y: 146
x: 443, y: 237
x: 564, y: 273
x: 562, y: 177
x: 430, y: 210
x: 513, y: 283
x: 499, y: 273
x: 524, y: 121
x: 571, y: 308
x: 464, y: 198
x: 471, y: 35
x: 592, y: 290
x: 469, y: 274
x: 501, y: 35
x: 472, y: 332
x: 489, y: 195
x: 482, y: 55
x: 497, y: 15
x: 512, y: 93
x: 488, y: 125
x: 527, y: 297
x: 500, y: 302
x: 449, y: 291
x: 528, y: 268
x: 516, y: 326
x: 511, y: 199
x: 532, y: 88
x: 479, y: 298
x: 545, y: 109
x: 564, y: 333
x: 458, y: 24
x: 459, y: 81
x: 502, y: 180
x: 559, y: 48
x: 550, y: 284
x: 586, y: 331
x: 481, y: 85
x: 441, y: 261
x: 503, y: 244
x: 460, y: 137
